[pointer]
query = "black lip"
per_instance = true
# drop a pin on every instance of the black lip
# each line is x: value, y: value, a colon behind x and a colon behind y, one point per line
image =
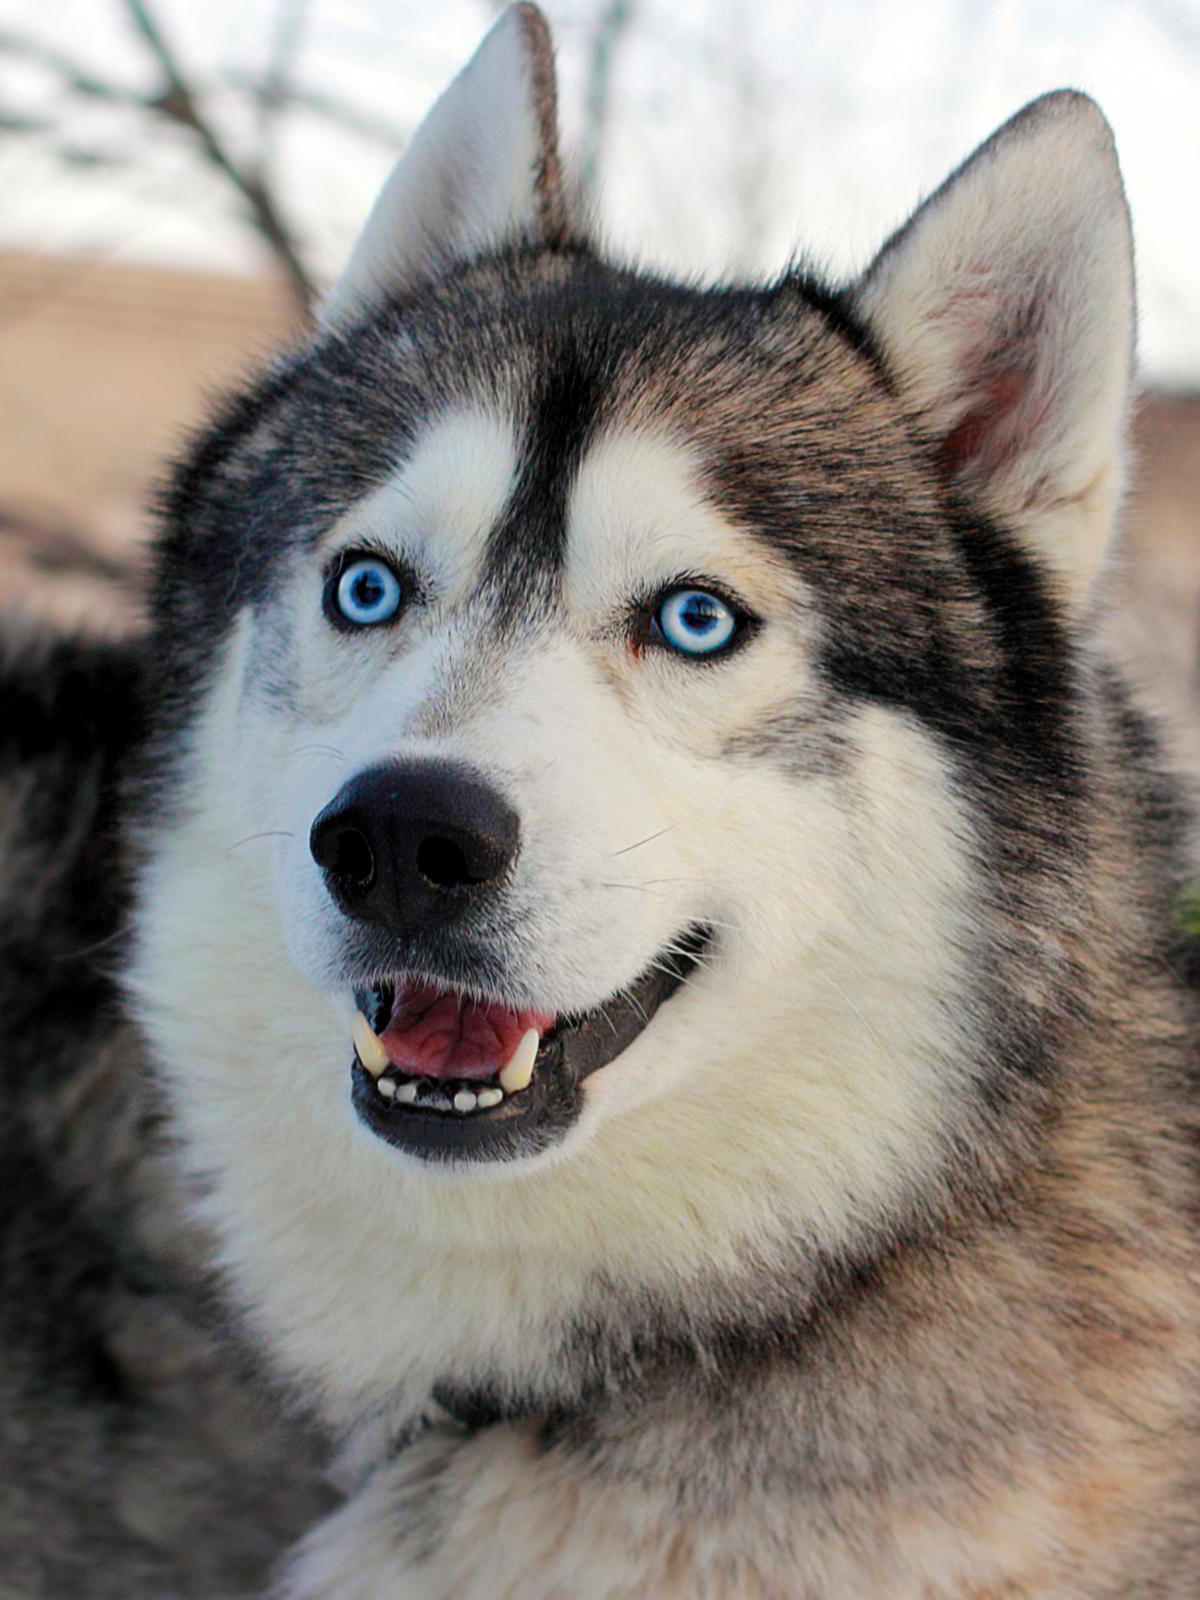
x: 526, y: 1123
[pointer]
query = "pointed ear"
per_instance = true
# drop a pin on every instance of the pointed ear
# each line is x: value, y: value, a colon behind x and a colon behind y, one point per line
x: 1004, y: 308
x: 481, y: 171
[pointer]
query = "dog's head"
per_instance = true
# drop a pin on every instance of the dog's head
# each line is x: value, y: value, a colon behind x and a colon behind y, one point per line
x: 593, y: 704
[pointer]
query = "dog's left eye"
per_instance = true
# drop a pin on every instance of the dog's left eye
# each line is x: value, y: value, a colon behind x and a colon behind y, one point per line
x: 694, y: 622
x: 365, y: 592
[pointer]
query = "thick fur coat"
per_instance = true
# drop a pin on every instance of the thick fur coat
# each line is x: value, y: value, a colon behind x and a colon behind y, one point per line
x: 142, y: 1454
x: 843, y: 1241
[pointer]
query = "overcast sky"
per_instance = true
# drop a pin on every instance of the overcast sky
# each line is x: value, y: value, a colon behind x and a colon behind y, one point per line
x: 742, y: 131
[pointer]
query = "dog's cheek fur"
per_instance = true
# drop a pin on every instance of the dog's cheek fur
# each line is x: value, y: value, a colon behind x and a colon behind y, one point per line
x: 853, y: 1116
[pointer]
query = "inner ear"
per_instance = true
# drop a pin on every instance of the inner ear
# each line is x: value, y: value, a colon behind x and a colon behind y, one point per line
x: 482, y: 172
x: 998, y: 420
x: 1004, y: 309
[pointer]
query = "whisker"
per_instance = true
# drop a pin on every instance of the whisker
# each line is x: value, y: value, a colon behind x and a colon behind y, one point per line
x: 325, y: 749
x: 268, y: 833
x: 868, y: 1025
x: 690, y: 882
x: 90, y: 949
x: 704, y: 963
x: 637, y: 1006
x: 649, y: 839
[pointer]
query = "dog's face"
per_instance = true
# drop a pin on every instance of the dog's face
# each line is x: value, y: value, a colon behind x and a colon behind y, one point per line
x: 539, y: 727
x: 513, y: 853
x: 620, y: 737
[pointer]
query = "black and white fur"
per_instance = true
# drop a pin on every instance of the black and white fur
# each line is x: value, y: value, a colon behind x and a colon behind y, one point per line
x: 788, y: 1308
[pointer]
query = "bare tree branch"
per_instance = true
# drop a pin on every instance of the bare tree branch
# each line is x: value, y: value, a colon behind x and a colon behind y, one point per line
x: 22, y: 122
x: 288, y: 95
x: 73, y: 76
x: 56, y: 546
x: 179, y: 103
x: 180, y: 100
x: 296, y: 97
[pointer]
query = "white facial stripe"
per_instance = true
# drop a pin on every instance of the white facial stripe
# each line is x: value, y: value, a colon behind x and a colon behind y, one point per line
x: 444, y: 499
x: 638, y: 514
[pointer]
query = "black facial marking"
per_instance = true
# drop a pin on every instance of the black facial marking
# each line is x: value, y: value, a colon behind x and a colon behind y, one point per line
x: 527, y: 549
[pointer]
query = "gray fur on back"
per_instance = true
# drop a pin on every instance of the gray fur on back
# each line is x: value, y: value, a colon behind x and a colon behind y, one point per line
x: 140, y: 1454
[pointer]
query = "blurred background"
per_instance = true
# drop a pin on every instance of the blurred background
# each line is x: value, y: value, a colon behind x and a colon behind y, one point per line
x: 179, y: 179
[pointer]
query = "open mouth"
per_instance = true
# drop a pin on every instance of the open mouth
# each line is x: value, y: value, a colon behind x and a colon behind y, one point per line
x: 445, y: 1076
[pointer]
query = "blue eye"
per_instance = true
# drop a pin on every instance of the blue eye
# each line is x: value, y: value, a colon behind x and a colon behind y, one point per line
x: 367, y: 592
x: 696, y: 623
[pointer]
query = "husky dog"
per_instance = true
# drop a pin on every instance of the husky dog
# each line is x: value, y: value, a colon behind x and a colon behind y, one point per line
x: 654, y: 917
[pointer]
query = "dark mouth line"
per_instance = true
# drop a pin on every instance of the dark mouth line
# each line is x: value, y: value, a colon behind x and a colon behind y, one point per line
x: 377, y: 1001
x: 425, y: 1116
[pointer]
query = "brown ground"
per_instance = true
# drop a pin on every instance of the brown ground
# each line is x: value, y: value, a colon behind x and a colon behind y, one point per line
x: 1156, y: 621
x: 102, y: 367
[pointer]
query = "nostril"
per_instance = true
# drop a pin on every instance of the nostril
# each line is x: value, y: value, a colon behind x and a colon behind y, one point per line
x: 444, y: 864
x: 347, y: 854
x: 415, y: 846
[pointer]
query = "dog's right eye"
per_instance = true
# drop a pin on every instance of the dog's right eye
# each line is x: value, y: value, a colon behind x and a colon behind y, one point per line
x: 363, y: 592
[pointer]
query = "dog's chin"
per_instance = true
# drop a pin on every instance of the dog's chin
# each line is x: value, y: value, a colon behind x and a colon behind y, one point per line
x: 510, y: 1114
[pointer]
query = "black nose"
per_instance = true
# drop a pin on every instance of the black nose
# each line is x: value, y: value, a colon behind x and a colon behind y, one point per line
x: 413, y: 845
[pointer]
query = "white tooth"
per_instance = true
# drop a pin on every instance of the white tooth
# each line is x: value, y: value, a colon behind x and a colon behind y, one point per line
x: 489, y: 1097
x: 464, y: 1100
x: 369, y: 1046
x: 406, y: 1093
x: 517, y: 1071
x: 386, y: 1087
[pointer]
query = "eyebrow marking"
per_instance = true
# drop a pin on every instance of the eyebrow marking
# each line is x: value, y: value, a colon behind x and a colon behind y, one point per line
x: 444, y: 499
x: 527, y: 550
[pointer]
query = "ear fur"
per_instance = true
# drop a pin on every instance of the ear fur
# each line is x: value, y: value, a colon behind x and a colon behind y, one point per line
x: 1004, y: 307
x: 481, y: 171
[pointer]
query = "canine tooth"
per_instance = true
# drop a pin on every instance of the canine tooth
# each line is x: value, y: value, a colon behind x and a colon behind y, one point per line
x: 517, y: 1071
x: 489, y: 1097
x: 406, y: 1093
x: 368, y: 1046
x: 464, y: 1100
x: 386, y: 1087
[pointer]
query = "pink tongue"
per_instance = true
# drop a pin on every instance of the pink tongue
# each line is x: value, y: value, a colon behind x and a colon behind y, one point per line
x: 436, y: 1034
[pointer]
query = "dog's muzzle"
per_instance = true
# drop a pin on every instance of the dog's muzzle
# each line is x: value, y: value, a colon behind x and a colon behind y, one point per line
x: 420, y: 852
